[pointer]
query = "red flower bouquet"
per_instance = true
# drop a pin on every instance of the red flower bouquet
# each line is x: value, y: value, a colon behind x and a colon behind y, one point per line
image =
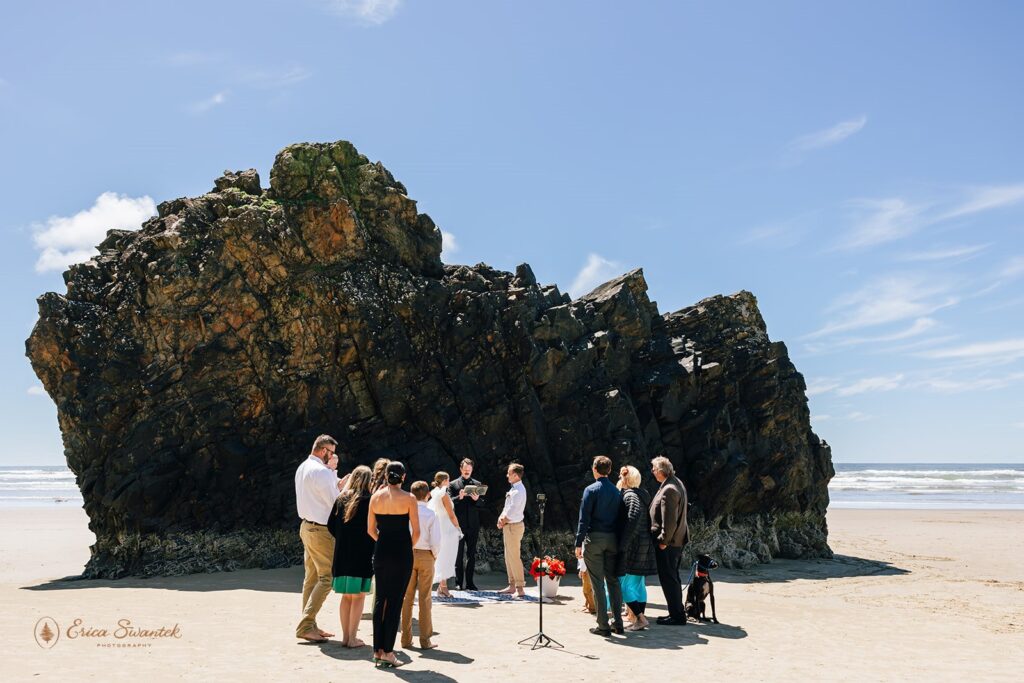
x: 548, y: 566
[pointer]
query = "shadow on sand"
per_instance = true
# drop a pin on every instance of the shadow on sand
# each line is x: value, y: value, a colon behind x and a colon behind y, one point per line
x: 287, y: 580
x: 338, y: 651
x: 838, y: 567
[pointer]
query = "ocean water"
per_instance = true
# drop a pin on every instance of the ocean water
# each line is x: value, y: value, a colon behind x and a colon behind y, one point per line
x: 928, y: 486
x: 885, y: 486
x: 22, y: 485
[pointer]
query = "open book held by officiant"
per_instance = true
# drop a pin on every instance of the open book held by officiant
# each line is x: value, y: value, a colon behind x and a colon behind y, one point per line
x: 480, y: 490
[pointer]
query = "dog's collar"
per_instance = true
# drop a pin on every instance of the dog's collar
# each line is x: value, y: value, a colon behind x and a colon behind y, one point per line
x: 701, y: 575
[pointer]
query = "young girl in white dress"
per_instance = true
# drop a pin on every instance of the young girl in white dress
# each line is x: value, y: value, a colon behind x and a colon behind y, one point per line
x: 441, y: 504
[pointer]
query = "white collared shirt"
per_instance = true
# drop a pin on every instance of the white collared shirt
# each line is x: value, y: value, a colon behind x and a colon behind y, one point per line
x: 430, y: 530
x: 316, y: 489
x: 515, y: 503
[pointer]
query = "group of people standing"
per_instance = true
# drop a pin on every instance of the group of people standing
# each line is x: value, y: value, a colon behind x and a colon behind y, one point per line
x: 363, y: 532
x: 625, y: 535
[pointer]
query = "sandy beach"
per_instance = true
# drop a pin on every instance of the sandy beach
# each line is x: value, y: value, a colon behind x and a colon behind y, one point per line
x: 911, y: 595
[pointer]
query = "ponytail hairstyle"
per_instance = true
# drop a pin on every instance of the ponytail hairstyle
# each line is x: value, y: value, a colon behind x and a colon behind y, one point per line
x: 358, y: 488
x: 440, y: 478
x: 395, y: 473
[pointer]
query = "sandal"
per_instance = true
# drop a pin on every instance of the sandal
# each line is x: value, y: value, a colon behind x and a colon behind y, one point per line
x: 387, y: 663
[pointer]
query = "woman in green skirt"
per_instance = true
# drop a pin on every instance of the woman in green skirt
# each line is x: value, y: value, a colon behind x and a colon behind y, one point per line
x: 353, y: 552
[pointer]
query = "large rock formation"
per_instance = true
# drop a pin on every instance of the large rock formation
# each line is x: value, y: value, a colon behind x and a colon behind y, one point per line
x: 193, y: 362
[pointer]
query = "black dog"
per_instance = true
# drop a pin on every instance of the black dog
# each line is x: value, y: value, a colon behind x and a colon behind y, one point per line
x: 701, y: 588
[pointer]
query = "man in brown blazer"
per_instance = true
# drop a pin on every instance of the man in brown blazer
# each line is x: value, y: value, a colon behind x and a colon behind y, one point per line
x: 668, y: 527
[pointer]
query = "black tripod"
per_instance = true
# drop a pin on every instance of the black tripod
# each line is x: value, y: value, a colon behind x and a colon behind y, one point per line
x: 540, y: 639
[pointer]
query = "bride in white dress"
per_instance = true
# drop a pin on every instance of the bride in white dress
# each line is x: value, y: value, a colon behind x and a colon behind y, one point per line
x: 441, y: 504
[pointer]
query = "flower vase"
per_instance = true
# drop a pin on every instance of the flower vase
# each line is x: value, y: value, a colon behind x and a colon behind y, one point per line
x: 549, y: 587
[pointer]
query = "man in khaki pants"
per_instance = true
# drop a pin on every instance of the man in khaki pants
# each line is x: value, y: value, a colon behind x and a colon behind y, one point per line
x: 511, y: 524
x: 316, y: 489
x: 424, y: 553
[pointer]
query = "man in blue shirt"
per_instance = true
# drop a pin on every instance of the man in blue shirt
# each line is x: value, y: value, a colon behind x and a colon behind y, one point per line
x: 597, y: 544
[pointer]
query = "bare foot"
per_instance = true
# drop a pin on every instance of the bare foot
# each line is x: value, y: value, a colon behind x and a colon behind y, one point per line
x: 325, y: 634
x: 313, y: 636
x: 507, y: 591
x: 520, y: 593
x: 428, y: 646
x: 355, y: 643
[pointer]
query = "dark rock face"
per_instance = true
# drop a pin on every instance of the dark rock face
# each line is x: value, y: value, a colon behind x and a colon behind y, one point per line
x: 194, y: 361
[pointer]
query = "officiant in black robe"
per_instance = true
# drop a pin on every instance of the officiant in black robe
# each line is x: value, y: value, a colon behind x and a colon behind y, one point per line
x: 467, y: 511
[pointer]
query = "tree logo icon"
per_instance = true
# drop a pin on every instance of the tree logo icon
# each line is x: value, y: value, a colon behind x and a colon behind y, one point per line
x: 47, y: 633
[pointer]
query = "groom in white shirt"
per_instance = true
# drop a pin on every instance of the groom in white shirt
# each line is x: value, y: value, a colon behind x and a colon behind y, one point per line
x: 512, y: 527
x: 316, y: 488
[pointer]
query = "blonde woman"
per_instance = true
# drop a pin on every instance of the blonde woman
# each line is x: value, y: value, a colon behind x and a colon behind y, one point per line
x: 636, y: 557
x: 441, y: 505
x: 353, y: 552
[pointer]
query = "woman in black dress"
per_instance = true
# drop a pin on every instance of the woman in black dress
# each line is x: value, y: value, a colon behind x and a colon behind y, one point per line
x: 392, y: 513
x: 353, y: 552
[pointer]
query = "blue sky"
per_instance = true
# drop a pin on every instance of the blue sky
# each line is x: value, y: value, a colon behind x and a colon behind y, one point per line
x: 857, y: 167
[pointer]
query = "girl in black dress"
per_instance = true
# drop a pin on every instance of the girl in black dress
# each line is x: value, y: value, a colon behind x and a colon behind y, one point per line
x: 392, y: 513
x: 353, y: 552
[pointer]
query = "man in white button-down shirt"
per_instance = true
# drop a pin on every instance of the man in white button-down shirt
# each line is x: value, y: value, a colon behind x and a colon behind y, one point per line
x: 424, y: 553
x: 316, y: 489
x: 512, y: 527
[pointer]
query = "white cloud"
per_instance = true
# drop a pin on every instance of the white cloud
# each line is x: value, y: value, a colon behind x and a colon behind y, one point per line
x: 872, y: 384
x: 822, y: 386
x: 1002, y: 305
x: 190, y: 58
x: 878, y: 221
x: 781, y: 235
x: 994, y: 351
x: 916, y: 345
x: 985, y: 199
x: 1014, y: 268
x: 1019, y: 425
x: 889, y: 299
x: 829, y: 136
x: 597, y: 270
x: 448, y: 245
x: 274, y: 78
x: 941, y: 254
x: 855, y: 416
x: 72, y: 239
x: 881, y: 220
x: 36, y: 390
x: 209, y: 103
x: 367, y: 11
x: 918, y: 327
x: 954, y: 386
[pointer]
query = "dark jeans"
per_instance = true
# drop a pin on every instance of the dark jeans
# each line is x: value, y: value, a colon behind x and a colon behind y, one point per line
x: 668, y: 576
x: 467, y: 550
x: 600, y: 551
